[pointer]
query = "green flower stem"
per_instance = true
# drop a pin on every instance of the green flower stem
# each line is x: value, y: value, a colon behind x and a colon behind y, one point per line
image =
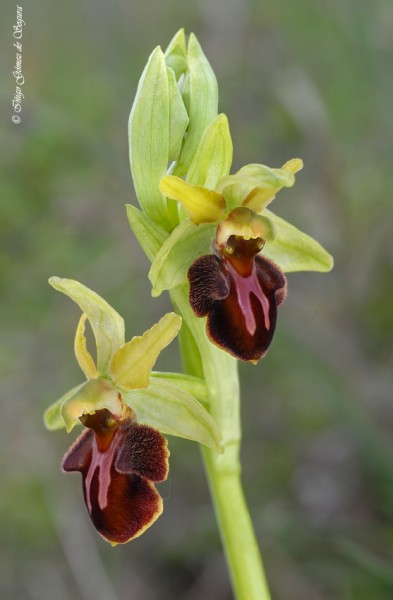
x: 223, y: 470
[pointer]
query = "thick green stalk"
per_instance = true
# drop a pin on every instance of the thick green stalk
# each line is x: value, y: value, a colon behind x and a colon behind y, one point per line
x: 223, y: 470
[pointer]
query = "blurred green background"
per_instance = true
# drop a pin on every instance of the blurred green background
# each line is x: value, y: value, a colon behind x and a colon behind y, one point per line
x: 308, y: 78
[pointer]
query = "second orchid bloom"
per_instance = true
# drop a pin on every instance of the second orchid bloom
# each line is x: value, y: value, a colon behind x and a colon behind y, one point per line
x: 125, y: 409
x: 238, y: 290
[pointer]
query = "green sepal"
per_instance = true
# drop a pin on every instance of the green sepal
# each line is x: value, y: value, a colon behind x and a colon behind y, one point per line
x: 176, y: 53
x: 149, y: 235
x: 200, y: 97
x: 213, y: 157
x: 193, y: 385
x: 52, y: 416
x: 106, y: 323
x: 294, y: 250
x: 93, y: 395
x: 183, y: 246
x: 149, y: 138
x: 178, y: 117
x: 173, y: 411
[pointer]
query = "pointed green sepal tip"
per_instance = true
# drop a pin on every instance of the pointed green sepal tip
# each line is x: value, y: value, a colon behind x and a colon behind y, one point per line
x: 294, y: 250
x: 53, y: 418
x: 174, y: 411
x: 106, y: 323
x: 148, y: 233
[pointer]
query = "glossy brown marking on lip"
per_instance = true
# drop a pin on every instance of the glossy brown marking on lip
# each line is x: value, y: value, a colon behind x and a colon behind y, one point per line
x: 239, y: 293
x: 119, y: 461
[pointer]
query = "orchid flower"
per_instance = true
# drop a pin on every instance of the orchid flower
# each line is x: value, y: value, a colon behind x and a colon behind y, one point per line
x: 122, y: 453
x: 238, y: 290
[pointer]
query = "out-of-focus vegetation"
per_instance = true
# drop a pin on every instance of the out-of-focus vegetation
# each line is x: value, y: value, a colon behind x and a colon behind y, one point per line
x: 306, y: 78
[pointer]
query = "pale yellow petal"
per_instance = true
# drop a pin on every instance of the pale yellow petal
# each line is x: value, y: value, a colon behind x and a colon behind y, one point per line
x: 293, y: 166
x: 131, y: 364
x: 202, y: 205
x: 83, y: 356
x: 261, y: 196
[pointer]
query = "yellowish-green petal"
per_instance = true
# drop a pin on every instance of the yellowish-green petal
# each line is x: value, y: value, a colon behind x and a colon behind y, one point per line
x: 261, y: 196
x: 94, y: 395
x: 293, y: 166
x: 83, y: 356
x: 255, y: 185
x: 202, y: 205
x: 131, y: 364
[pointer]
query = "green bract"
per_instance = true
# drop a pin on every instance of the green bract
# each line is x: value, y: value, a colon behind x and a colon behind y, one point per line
x: 124, y: 377
x: 150, y: 235
x: 213, y: 157
x: 176, y: 100
x: 176, y: 54
x: 149, y: 130
x: 200, y: 96
x: 178, y: 117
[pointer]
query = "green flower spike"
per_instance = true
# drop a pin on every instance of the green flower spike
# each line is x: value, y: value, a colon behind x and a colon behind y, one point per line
x: 122, y: 453
x: 215, y: 245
